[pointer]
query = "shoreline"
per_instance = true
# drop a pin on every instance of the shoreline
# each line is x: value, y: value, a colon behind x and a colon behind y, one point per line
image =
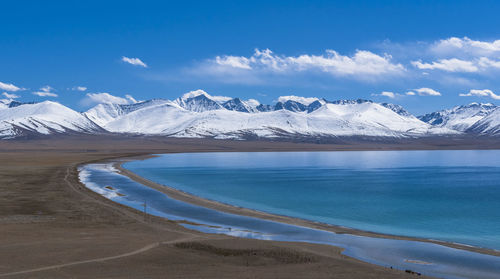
x: 228, y: 208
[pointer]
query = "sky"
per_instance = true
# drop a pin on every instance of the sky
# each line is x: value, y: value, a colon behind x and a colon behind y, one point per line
x: 423, y: 55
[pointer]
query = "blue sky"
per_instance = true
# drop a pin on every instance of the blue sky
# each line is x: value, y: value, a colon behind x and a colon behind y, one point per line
x: 420, y: 54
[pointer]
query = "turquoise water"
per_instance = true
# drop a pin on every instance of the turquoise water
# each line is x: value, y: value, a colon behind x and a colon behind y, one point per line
x: 447, y: 195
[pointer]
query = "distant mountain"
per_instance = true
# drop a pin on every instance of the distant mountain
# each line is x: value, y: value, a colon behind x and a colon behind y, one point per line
x: 291, y: 106
x: 303, y: 100
x: 104, y: 113
x: 315, y: 105
x: 489, y: 125
x: 237, y: 104
x: 4, y: 104
x: 397, y: 109
x: 198, y: 114
x: 459, y: 118
x: 349, y: 102
x: 198, y: 103
x: 264, y: 108
x: 43, y: 118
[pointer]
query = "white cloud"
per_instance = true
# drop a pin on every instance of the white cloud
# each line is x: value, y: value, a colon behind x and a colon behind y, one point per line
x: 485, y: 62
x: 134, y: 61
x: 388, y: 94
x: 9, y: 87
x: 449, y: 65
x: 45, y: 94
x: 45, y: 91
x: 481, y: 64
x: 393, y: 95
x: 234, y: 61
x: 106, y: 98
x: 47, y: 88
x: 10, y: 96
x: 361, y: 64
x: 424, y: 91
x: 79, y: 88
x: 461, y: 55
x: 481, y: 93
x: 446, y: 62
x: 467, y: 46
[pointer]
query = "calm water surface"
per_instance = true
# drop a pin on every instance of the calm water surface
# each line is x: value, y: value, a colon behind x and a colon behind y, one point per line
x: 446, y: 195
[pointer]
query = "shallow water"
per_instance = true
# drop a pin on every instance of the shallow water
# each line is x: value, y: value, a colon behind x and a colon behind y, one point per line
x: 447, y: 195
x: 444, y: 261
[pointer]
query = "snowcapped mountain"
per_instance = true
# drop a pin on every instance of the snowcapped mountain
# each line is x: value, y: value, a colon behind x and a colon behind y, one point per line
x: 104, y: 113
x: 397, y: 109
x: 291, y: 106
x: 4, y: 103
x: 198, y: 114
x: 366, y: 119
x: 237, y: 104
x: 489, y: 125
x: 303, y: 100
x: 43, y: 118
x: 297, y: 104
x: 199, y: 103
x: 459, y: 118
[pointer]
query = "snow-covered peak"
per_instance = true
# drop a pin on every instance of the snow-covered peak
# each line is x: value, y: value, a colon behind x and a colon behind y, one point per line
x: 196, y: 93
x: 290, y: 105
x: 303, y: 100
x: 42, y: 108
x: 10, y: 103
x: 237, y: 104
x: 101, y: 114
x: 48, y: 109
x: 489, y: 125
x: 350, y: 102
x: 104, y: 113
x: 199, y: 103
x: 4, y: 103
x: 397, y: 109
x: 459, y: 118
x: 43, y: 118
x: 198, y: 114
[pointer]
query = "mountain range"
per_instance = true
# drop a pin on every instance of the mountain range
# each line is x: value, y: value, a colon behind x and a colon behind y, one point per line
x: 198, y: 114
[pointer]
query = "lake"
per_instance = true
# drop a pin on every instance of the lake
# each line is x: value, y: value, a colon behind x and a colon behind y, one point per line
x: 447, y: 195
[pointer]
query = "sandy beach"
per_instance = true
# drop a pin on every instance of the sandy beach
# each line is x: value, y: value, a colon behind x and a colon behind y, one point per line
x: 54, y: 227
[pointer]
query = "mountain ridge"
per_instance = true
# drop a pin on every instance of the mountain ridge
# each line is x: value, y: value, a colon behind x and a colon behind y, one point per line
x: 197, y: 114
